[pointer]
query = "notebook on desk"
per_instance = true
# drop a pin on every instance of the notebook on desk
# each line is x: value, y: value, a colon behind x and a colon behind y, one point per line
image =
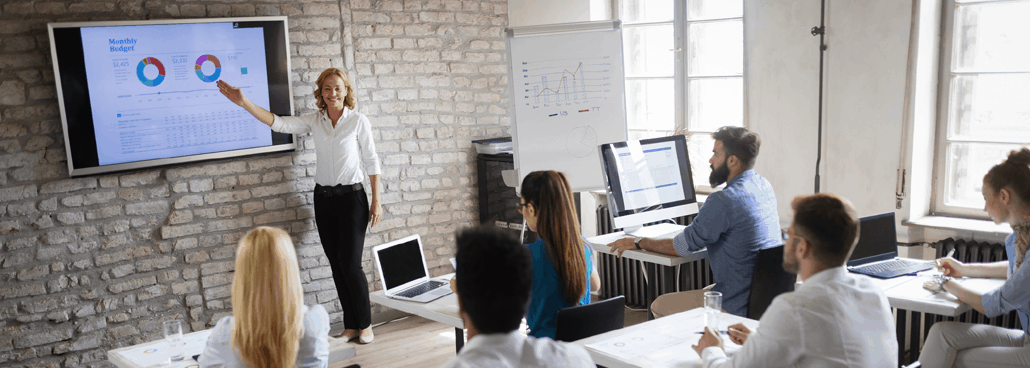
x: 403, y: 272
x: 876, y: 253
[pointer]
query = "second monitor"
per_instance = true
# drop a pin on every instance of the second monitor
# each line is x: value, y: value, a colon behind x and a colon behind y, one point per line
x: 648, y: 181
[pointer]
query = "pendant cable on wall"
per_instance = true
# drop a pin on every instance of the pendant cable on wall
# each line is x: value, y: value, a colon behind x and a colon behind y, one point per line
x: 821, y: 32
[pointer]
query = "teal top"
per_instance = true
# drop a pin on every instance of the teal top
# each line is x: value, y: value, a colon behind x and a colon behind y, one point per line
x: 547, y: 299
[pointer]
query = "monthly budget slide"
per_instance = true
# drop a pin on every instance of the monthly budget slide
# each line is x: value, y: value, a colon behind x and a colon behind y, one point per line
x: 153, y: 93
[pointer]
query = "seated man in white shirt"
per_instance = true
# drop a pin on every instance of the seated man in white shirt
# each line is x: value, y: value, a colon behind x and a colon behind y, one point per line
x: 496, y: 275
x: 834, y: 319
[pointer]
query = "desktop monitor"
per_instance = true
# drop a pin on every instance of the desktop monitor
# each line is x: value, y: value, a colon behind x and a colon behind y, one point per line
x: 877, y: 240
x: 647, y: 181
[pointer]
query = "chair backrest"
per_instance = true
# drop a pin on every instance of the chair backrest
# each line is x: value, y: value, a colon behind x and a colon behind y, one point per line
x: 579, y: 322
x: 768, y: 281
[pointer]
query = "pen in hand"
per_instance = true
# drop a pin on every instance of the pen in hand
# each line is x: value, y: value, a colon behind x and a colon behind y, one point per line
x: 938, y: 263
x: 724, y: 332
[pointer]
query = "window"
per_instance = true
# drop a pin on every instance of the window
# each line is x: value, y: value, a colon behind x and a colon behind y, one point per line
x: 693, y: 87
x: 984, y: 93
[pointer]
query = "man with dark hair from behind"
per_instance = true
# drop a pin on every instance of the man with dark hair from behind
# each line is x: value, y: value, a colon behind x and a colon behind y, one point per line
x: 834, y: 319
x: 496, y: 276
x: 734, y: 224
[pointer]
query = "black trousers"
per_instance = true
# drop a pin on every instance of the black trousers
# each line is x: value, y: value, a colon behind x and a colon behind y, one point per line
x: 341, y: 222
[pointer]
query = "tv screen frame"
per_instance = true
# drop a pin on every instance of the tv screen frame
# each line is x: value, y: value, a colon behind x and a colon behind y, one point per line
x: 73, y: 93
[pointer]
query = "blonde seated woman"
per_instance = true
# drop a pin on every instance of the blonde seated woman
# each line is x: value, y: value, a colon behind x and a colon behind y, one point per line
x: 275, y: 328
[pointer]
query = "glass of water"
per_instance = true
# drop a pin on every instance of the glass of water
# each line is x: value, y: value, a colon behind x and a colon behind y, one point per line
x: 173, y: 335
x: 713, y: 308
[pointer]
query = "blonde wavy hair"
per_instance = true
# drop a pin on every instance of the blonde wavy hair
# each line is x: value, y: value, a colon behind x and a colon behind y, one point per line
x: 267, y: 299
x: 349, y: 101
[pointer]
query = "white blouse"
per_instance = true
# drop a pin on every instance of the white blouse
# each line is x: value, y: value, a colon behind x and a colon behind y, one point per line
x: 312, y: 350
x: 344, y: 154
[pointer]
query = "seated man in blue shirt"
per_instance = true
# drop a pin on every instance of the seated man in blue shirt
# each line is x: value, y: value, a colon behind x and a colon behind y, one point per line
x: 496, y: 278
x: 734, y: 223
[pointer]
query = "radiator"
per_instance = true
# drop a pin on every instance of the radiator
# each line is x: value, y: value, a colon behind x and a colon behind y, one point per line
x: 629, y: 278
x: 966, y: 252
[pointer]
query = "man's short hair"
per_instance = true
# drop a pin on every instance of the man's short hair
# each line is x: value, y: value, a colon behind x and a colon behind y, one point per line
x: 829, y: 223
x: 495, y: 278
x: 740, y: 142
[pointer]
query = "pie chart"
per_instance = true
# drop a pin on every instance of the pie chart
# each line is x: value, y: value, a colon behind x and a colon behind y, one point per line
x: 581, y: 141
x: 143, y: 78
x: 200, y: 73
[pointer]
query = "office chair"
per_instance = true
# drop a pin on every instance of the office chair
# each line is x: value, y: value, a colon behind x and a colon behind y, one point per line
x: 579, y: 322
x: 768, y: 281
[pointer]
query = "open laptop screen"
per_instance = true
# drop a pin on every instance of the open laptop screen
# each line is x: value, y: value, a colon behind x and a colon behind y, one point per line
x: 877, y: 240
x: 401, y: 263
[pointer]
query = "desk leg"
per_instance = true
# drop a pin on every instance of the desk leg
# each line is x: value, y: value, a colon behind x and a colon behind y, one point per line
x: 651, y: 290
x: 459, y: 339
x: 913, y: 331
x: 900, y: 331
x: 669, y: 279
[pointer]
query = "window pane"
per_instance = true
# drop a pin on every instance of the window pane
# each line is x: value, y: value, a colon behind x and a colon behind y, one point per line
x: 967, y: 163
x: 991, y: 107
x: 649, y: 51
x: 715, y: 48
x: 699, y: 148
x: 650, y: 104
x: 714, y: 9
x: 635, y: 11
x: 992, y: 37
x: 715, y: 102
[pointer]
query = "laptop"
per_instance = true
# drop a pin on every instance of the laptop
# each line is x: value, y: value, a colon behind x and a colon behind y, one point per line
x: 403, y: 272
x: 876, y: 253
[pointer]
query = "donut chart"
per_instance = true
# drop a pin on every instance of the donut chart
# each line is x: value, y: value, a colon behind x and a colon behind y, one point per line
x: 200, y: 73
x: 160, y: 71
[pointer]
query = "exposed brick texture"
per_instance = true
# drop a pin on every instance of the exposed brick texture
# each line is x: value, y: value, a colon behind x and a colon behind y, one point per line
x: 94, y: 263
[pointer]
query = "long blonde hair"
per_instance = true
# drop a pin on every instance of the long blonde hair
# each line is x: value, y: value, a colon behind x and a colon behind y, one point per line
x: 349, y: 101
x: 267, y: 299
x: 549, y: 192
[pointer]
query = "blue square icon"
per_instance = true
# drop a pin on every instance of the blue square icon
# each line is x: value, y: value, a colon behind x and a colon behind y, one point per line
x: 119, y: 115
x: 243, y: 70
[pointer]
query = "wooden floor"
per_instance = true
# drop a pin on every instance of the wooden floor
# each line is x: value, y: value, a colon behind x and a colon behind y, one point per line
x: 417, y: 342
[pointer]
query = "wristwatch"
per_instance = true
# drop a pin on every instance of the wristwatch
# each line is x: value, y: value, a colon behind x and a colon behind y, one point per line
x: 637, y: 243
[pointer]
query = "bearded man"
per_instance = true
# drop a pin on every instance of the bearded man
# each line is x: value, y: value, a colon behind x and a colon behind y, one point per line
x: 734, y: 224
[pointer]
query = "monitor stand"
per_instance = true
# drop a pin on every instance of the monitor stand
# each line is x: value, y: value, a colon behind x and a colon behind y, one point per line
x: 654, y: 231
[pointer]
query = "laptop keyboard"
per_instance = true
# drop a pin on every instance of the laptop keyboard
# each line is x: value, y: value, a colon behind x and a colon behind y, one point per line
x: 893, y: 268
x: 420, y: 289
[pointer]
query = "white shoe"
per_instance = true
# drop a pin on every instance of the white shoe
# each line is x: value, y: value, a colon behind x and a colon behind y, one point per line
x: 366, y: 336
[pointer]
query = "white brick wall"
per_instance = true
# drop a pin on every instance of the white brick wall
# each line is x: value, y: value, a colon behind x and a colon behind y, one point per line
x: 90, y: 264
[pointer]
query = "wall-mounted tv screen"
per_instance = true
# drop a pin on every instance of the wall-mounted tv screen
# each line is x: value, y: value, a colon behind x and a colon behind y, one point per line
x: 139, y: 94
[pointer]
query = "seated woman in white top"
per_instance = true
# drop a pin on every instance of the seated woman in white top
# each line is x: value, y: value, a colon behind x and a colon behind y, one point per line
x: 275, y: 328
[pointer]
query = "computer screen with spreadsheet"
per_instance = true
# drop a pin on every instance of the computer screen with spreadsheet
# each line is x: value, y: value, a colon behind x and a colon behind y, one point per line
x: 142, y: 93
x: 647, y: 181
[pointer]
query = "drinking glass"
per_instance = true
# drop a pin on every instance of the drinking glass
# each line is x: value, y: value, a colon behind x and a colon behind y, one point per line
x: 173, y: 334
x: 713, y: 308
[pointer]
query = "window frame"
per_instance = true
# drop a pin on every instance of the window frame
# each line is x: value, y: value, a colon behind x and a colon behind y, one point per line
x: 942, y: 125
x: 681, y: 29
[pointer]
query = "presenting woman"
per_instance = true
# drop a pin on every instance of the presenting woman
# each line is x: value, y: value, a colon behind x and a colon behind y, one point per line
x: 270, y: 326
x: 1006, y: 189
x: 345, y: 154
x: 563, y: 272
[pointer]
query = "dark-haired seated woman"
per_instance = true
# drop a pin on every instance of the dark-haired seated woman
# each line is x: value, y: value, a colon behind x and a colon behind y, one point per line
x: 1006, y: 189
x: 563, y: 272
x: 270, y: 326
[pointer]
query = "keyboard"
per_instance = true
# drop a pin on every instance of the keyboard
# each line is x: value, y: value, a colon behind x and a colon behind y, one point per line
x: 892, y: 268
x: 420, y: 289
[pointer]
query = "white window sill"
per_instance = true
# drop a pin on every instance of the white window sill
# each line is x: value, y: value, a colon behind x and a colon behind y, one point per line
x: 959, y: 224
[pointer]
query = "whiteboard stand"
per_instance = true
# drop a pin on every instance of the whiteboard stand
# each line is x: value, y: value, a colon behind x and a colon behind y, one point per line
x: 567, y: 96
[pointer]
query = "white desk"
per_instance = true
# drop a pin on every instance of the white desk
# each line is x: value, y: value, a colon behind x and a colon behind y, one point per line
x: 663, y: 342
x: 443, y: 310
x: 657, y: 265
x: 154, y: 353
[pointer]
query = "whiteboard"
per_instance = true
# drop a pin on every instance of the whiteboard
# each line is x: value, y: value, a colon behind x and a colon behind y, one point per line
x: 567, y: 96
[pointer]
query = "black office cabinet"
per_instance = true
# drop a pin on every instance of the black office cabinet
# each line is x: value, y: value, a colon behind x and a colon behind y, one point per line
x: 496, y: 200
